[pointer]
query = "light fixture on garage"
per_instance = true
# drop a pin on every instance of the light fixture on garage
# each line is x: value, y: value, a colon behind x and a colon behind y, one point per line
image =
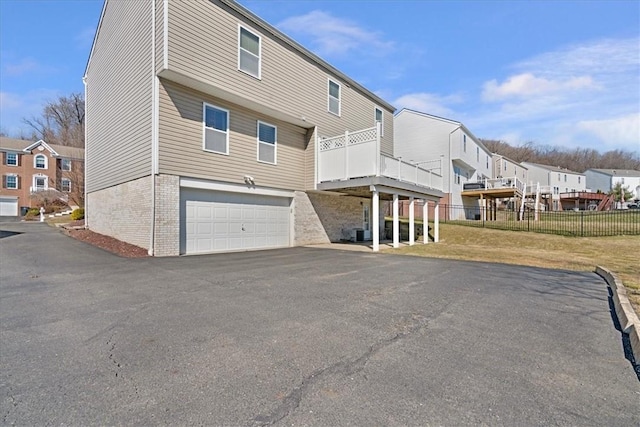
x: 248, y: 179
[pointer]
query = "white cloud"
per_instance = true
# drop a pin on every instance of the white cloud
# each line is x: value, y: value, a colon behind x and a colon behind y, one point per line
x: 528, y: 85
x: 24, y: 66
x: 334, y: 36
x: 428, y: 103
x: 621, y: 131
x: 14, y: 107
x: 584, y: 95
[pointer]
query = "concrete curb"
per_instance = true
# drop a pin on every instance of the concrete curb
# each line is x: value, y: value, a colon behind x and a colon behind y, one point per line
x: 629, y: 322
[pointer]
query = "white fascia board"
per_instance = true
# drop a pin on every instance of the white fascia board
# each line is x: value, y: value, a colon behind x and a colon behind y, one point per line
x: 203, y: 184
x: 95, y: 37
x: 44, y: 144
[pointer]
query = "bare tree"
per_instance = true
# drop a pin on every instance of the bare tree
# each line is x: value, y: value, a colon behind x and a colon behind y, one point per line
x: 61, y: 121
x: 578, y: 159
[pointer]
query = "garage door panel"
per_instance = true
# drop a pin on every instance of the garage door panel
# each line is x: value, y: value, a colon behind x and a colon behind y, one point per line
x: 8, y: 206
x: 219, y: 221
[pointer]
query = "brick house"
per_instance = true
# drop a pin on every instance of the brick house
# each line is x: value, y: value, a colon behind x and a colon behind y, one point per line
x: 209, y: 130
x: 29, y: 167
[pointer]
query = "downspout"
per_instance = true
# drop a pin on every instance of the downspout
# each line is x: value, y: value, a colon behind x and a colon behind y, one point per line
x: 84, y: 172
x: 154, y: 130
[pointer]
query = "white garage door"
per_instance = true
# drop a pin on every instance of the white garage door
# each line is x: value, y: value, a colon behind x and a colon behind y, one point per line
x: 215, y: 221
x: 8, y: 206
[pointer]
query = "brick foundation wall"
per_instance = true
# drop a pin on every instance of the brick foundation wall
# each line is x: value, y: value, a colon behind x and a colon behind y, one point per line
x: 322, y: 218
x: 167, y: 227
x: 122, y: 211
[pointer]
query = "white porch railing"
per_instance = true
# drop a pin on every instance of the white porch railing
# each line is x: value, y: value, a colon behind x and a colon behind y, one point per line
x: 512, y: 182
x: 357, y: 154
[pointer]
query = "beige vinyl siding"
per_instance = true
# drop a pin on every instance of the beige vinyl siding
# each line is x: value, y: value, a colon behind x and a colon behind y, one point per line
x: 159, y: 44
x: 203, y: 44
x: 119, y: 95
x: 181, y: 136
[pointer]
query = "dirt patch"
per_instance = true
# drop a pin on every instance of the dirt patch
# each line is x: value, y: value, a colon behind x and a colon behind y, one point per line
x: 107, y: 243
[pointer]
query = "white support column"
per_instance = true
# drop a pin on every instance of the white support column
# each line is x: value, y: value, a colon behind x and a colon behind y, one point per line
x: 375, y: 202
x: 425, y: 222
x: 396, y: 223
x: 436, y: 223
x: 412, y: 227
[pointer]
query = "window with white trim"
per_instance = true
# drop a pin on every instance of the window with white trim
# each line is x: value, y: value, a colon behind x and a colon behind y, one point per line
x: 65, y: 185
x: 40, y: 161
x: 267, y: 142
x: 216, y: 129
x: 464, y: 143
x: 379, y: 118
x: 40, y: 183
x: 11, y: 182
x: 65, y: 164
x: 249, y: 52
x: 334, y: 98
x: 12, y: 159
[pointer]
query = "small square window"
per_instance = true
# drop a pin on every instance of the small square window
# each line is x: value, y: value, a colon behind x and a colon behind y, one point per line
x: 334, y: 98
x: 65, y: 185
x: 12, y: 159
x: 267, y: 143
x: 11, y: 181
x: 65, y: 164
x: 216, y: 129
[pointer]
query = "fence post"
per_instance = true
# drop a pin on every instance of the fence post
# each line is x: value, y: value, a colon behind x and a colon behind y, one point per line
x: 581, y: 223
x: 528, y: 224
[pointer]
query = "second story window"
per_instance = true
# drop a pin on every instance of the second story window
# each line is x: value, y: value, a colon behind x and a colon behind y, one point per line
x: 464, y: 143
x: 216, y: 129
x: 478, y: 154
x: 267, y: 141
x: 249, y: 52
x: 334, y: 98
x: 65, y: 164
x: 579, y: 180
x: 12, y: 159
x: 379, y: 116
x: 11, y: 182
x: 40, y: 161
x: 565, y: 177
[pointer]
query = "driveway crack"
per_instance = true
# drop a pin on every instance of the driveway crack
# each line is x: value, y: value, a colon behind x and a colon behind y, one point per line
x: 412, y: 325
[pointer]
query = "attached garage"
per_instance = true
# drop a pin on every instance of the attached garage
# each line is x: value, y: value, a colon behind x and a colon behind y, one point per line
x: 8, y: 206
x: 219, y: 221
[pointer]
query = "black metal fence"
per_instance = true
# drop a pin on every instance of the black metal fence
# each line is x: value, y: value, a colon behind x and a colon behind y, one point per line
x: 567, y: 223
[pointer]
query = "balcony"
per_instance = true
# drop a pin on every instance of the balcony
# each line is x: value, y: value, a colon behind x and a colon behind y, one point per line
x: 357, y: 155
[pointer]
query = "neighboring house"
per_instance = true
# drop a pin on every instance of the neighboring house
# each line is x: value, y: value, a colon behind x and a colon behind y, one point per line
x: 446, y: 146
x: 209, y: 130
x: 564, y: 183
x: 504, y: 167
x: 604, y: 180
x: 30, y: 167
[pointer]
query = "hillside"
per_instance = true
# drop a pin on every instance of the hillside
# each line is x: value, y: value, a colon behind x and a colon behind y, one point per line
x: 577, y: 159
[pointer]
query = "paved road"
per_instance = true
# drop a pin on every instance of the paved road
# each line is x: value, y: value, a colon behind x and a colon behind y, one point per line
x: 301, y: 337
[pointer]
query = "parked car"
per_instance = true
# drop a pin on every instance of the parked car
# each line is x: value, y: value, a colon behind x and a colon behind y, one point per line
x: 633, y: 205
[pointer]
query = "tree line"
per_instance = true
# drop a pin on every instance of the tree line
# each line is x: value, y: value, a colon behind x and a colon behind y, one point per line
x: 576, y: 159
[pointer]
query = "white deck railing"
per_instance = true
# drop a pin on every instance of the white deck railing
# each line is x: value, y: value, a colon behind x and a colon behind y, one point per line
x: 512, y: 182
x: 357, y: 154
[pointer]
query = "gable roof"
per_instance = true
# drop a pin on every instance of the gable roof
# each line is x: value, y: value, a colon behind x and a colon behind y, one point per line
x: 617, y: 172
x: 553, y: 168
x: 270, y: 29
x: 450, y: 121
x: 11, y: 144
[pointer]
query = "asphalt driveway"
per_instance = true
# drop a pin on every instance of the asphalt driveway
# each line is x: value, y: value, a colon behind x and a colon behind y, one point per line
x: 300, y: 336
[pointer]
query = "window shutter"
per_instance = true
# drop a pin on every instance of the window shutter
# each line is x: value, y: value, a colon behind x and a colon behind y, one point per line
x: 4, y: 157
x: 4, y: 181
x: 19, y: 181
x: 19, y: 156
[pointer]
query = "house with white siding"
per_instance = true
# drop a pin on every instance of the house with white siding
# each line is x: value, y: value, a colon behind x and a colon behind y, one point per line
x: 604, y: 180
x: 209, y: 130
x: 564, y: 183
x: 445, y: 146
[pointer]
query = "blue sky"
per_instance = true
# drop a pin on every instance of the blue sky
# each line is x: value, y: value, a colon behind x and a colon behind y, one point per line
x: 562, y: 73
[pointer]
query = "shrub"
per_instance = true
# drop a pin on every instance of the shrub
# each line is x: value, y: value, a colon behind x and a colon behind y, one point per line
x: 33, y: 213
x: 77, y: 214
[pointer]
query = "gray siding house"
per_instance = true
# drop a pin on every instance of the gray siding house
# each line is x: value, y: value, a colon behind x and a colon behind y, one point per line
x: 209, y: 130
